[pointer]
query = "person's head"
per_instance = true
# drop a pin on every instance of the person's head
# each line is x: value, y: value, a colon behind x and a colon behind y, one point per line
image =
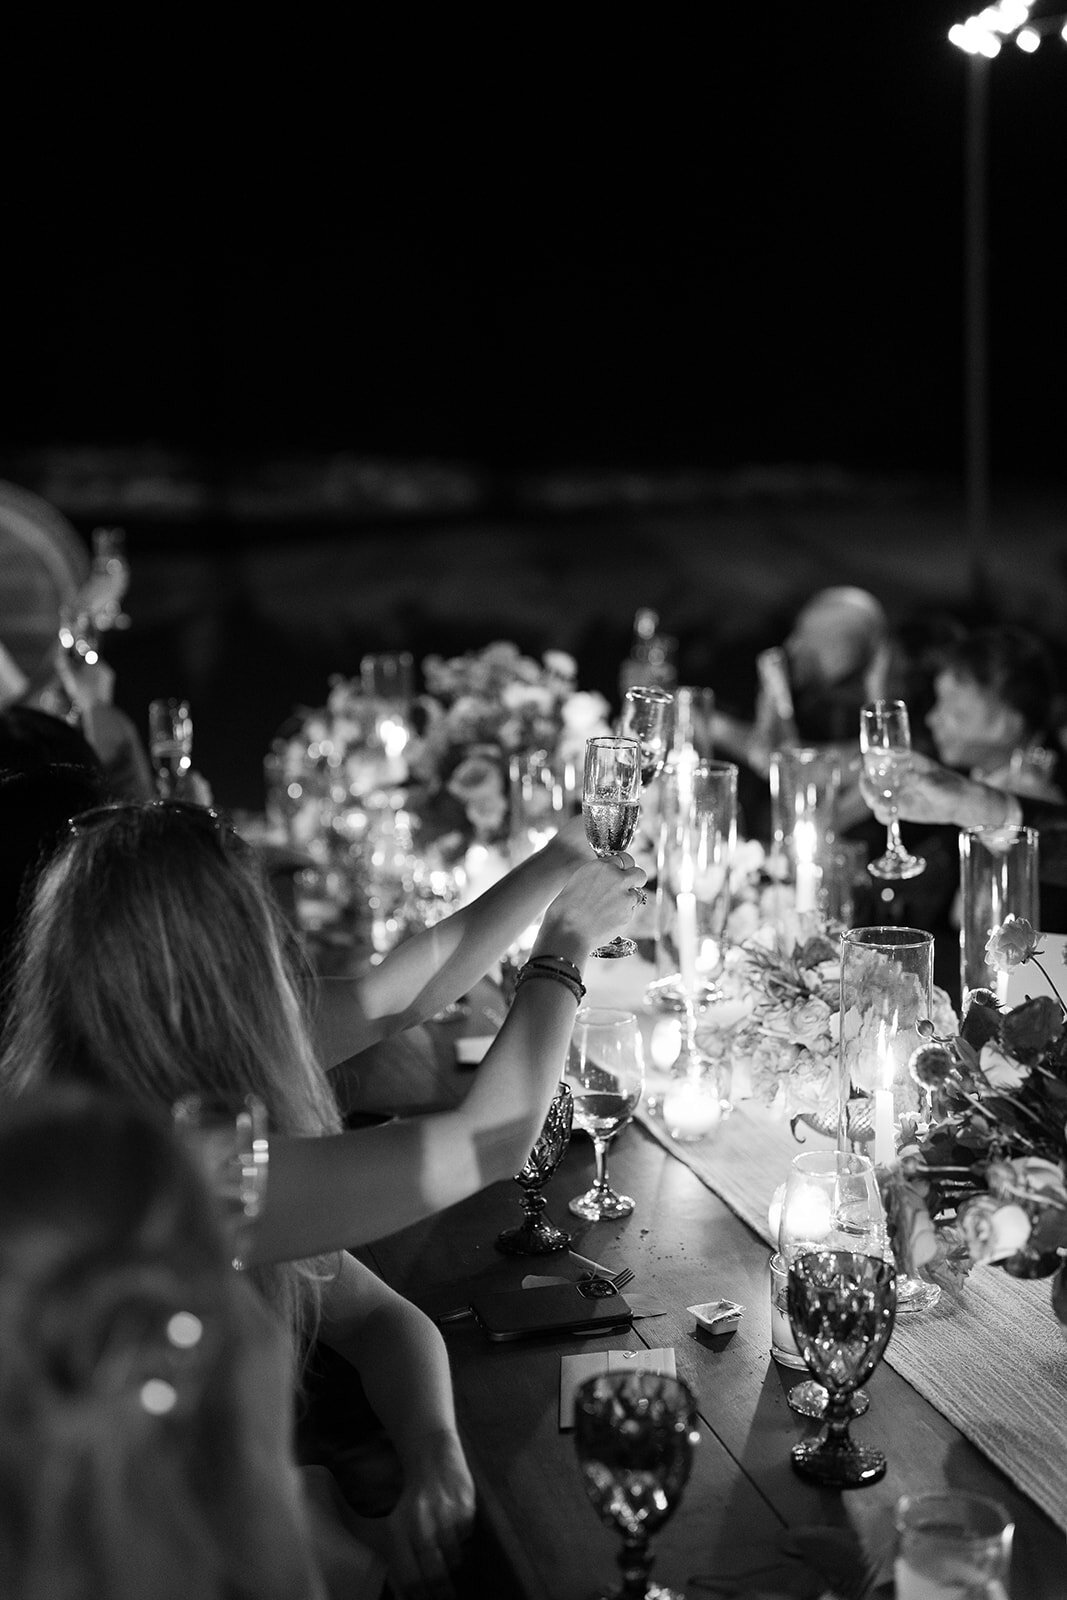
x: 994, y: 694
x: 145, y: 1411
x: 837, y: 635
x: 31, y: 739
x: 152, y: 962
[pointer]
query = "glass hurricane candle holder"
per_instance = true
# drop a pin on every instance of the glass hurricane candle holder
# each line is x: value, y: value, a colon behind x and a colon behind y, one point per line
x: 998, y: 878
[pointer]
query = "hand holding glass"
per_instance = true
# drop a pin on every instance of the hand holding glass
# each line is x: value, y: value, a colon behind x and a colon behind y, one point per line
x: 885, y: 743
x: 611, y: 806
x: 605, y: 1074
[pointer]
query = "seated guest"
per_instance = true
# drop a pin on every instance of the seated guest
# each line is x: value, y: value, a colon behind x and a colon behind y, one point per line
x: 154, y: 963
x: 145, y: 1411
x: 994, y: 711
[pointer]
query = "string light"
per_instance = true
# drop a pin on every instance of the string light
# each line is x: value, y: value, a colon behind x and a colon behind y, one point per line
x: 983, y: 33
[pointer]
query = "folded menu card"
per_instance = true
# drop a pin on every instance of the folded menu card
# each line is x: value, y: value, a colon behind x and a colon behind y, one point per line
x: 574, y: 1370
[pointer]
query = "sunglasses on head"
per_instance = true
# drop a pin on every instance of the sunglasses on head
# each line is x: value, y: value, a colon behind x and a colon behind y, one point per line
x: 203, y: 819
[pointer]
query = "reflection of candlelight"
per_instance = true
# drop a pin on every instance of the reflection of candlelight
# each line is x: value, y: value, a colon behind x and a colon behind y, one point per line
x: 687, y: 940
x: 807, y: 872
x: 691, y: 1108
x: 884, y: 1142
x: 806, y: 1218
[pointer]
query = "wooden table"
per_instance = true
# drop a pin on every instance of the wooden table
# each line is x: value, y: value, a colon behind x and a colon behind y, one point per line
x: 685, y: 1246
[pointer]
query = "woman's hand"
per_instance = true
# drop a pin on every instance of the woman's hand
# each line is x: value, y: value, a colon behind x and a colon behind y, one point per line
x: 570, y: 843
x: 432, y: 1518
x: 597, y: 903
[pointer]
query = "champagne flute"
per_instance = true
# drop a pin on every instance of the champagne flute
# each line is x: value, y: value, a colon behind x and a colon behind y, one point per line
x: 841, y: 1308
x: 831, y: 1202
x: 648, y: 717
x: 605, y: 1074
x: 885, y: 742
x: 611, y: 805
x: 170, y: 743
x: 634, y: 1433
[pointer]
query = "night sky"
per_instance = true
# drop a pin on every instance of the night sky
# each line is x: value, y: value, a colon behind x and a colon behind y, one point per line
x: 618, y: 241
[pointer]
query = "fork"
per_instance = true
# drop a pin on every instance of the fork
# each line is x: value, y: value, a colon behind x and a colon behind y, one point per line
x: 618, y: 1280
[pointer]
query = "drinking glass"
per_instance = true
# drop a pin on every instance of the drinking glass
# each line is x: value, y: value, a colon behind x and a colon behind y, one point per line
x: 109, y: 579
x: 233, y: 1149
x: 611, y: 805
x: 170, y: 743
x: 998, y: 878
x: 537, y: 803
x: 885, y: 742
x: 634, y: 1433
x: 605, y: 1074
x: 842, y: 1304
x: 831, y: 1202
x: 951, y: 1544
x: 536, y: 1234
x: 648, y: 716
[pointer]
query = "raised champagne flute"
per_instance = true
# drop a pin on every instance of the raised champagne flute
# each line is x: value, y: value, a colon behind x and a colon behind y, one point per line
x: 885, y: 743
x: 634, y: 1433
x: 842, y: 1305
x: 232, y: 1146
x: 605, y: 1074
x: 648, y: 717
x: 170, y: 744
x: 611, y: 806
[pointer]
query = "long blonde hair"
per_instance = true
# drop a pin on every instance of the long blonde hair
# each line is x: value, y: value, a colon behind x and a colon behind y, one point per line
x: 154, y: 962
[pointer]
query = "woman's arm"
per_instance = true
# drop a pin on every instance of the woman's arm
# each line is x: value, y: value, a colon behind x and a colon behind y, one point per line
x: 347, y: 1189
x: 435, y: 967
x: 403, y: 1366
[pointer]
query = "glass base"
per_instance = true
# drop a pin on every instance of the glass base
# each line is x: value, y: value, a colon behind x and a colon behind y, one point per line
x: 915, y: 1294
x: 529, y: 1238
x: 596, y: 1203
x: 617, y: 947
x: 845, y: 1465
x: 654, y: 1591
x: 896, y: 868
x: 808, y: 1399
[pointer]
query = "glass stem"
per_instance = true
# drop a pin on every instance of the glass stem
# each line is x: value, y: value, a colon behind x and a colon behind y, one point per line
x: 635, y: 1564
x: 838, y: 1417
x: 600, y: 1153
x: 896, y: 843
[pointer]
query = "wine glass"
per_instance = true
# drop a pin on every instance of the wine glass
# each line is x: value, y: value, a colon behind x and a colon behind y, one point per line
x: 170, y: 743
x: 605, y: 1074
x: 536, y: 1234
x: 611, y: 805
x: 634, y: 1433
x: 648, y: 717
x: 842, y: 1305
x: 831, y: 1202
x: 885, y: 742
x: 234, y: 1150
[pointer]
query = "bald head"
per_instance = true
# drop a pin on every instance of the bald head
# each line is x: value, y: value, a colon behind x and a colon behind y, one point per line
x: 836, y: 636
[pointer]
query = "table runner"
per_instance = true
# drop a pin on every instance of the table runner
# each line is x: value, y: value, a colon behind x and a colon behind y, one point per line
x: 993, y: 1359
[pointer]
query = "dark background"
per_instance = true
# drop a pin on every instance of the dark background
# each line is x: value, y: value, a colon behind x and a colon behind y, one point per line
x: 427, y: 334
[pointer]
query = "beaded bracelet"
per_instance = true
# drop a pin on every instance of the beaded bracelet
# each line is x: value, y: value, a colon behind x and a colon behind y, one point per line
x: 527, y: 972
x: 558, y: 964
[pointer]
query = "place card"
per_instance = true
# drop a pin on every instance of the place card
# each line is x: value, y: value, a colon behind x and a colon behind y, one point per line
x: 574, y: 1370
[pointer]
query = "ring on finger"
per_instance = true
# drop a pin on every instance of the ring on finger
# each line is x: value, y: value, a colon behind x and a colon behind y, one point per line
x: 639, y: 895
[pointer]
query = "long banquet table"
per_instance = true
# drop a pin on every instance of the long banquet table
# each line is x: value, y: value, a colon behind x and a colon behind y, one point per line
x: 687, y: 1243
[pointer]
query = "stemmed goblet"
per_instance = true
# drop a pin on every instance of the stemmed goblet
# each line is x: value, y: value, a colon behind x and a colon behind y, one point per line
x: 611, y: 806
x: 648, y: 717
x: 634, y: 1433
x: 170, y: 743
x: 885, y: 743
x: 831, y: 1202
x: 842, y: 1306
x: 605, y: 1074
x: 536, y: 1234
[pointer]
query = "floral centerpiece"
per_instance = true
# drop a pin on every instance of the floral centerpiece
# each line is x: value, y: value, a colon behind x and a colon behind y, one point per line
x: 478, y: 711
x: 983, y: 1177
x: 781, y: 987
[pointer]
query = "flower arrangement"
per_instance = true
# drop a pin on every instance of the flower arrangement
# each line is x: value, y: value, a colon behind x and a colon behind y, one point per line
x: 478, y: 711
x: 782, y: 1003
x: 983, y: 1177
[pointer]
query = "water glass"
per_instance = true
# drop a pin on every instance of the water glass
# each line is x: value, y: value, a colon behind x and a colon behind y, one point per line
x: 170, y: 743
x: 998, y: 878
x: 951, y: 1545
